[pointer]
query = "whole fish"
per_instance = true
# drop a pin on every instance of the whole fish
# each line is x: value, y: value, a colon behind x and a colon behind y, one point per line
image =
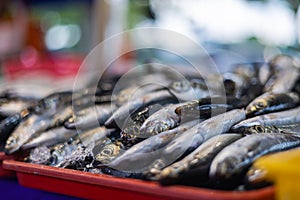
x: 236, y: 158
x: 50, y: 138
x: 286, y: 73
x: 192, y: 138
x: 32, y: 125
x: 277, y: 119
x: 160, y: 97
x: 179, y: 145
x: 143, y: 154
x: 90, y: 117
x: 200, y: 158
x: 270, y: 102
x: 8, y: 125
x: 160, y: 121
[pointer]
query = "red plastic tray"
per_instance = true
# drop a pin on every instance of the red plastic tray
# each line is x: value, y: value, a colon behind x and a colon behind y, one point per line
x: 5, y: 172
x: 98, y: 186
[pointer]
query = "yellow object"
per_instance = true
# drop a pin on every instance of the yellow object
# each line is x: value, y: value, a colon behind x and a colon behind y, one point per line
x: 283, y: 169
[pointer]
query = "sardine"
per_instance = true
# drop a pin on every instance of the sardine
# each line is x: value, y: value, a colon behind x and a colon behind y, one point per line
x: 290, y: 116
x: 118, y: 117
x: 90, y: 117
x: 146, y: 152
x: 192, y: 138
x: 286, y: 72
x: 34, y: 125
x: 8, y: 125
x: 30, y: 126
x: 200, y: 158
x: 235, y: 159
x: 50, y: 138
x: 10, y: 107
x: 270, y: 102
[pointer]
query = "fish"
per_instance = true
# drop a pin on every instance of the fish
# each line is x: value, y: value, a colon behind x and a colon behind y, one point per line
x: 160, y: 121
x: 90, y: 117
x: 34, y: 125
x: 30, y: 126
x: 286, y: 73
x: 185, y: 90
x: 145, y: 152
x: 194, y: 106
x: 49, y: 138
x: 118, y: 117
x: 8, y: 125
x: 192, y: 138
x: 50, y: 104
x: 270, y: 102
x: 60, y: 152
x: 107, y: 151
x: 290, y: 116
x: 188, y: 140
x: 234, y: 160
x: 199, y: 160
x: 13, y: 106
x: 257, y: 129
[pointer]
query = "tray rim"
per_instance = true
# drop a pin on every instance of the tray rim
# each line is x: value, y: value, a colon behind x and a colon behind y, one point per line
x: 133, y: 185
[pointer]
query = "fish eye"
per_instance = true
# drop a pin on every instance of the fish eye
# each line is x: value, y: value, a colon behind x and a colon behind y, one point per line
x: 259, y: 129
x: 107, y: 151
x: 12, y: 141
x: 261, y: 104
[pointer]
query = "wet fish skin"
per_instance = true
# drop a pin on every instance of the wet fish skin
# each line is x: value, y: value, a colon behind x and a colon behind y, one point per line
x: 235, y: 159
x: 270, y: 102
x: 145, y: 152
x: 286, y: 73
x: 90, y: 117
x: 199, y: 158
x: 25, y: 130
x: 160, y: 121
x: 277, y: 119
x: 118, y: 117
x: 50, y: 138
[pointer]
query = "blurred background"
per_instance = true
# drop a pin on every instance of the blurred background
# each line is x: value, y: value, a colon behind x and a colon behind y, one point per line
x: 43, y: 42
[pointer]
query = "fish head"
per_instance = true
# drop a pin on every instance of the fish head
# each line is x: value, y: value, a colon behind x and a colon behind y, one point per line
x: 11, y: 144
x: 254, y: 129
x: 256, y: 106
x: 108, y: 153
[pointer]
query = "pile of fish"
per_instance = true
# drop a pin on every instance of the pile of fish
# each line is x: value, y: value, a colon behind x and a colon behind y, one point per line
x: 190, y: 131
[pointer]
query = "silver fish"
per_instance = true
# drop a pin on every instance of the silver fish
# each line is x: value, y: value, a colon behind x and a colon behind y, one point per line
x: 146, y: 152
x: 277, y: 119
x: 50, y: 138
x: 160, y: 121
x: 118, y: 117
x: 200, y: 157
x: 32, y: 125
x: 234, y: 159
x: 286, y: 72
x: 91, y: 117
x: 271, y: 102
x: 195, y: 136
